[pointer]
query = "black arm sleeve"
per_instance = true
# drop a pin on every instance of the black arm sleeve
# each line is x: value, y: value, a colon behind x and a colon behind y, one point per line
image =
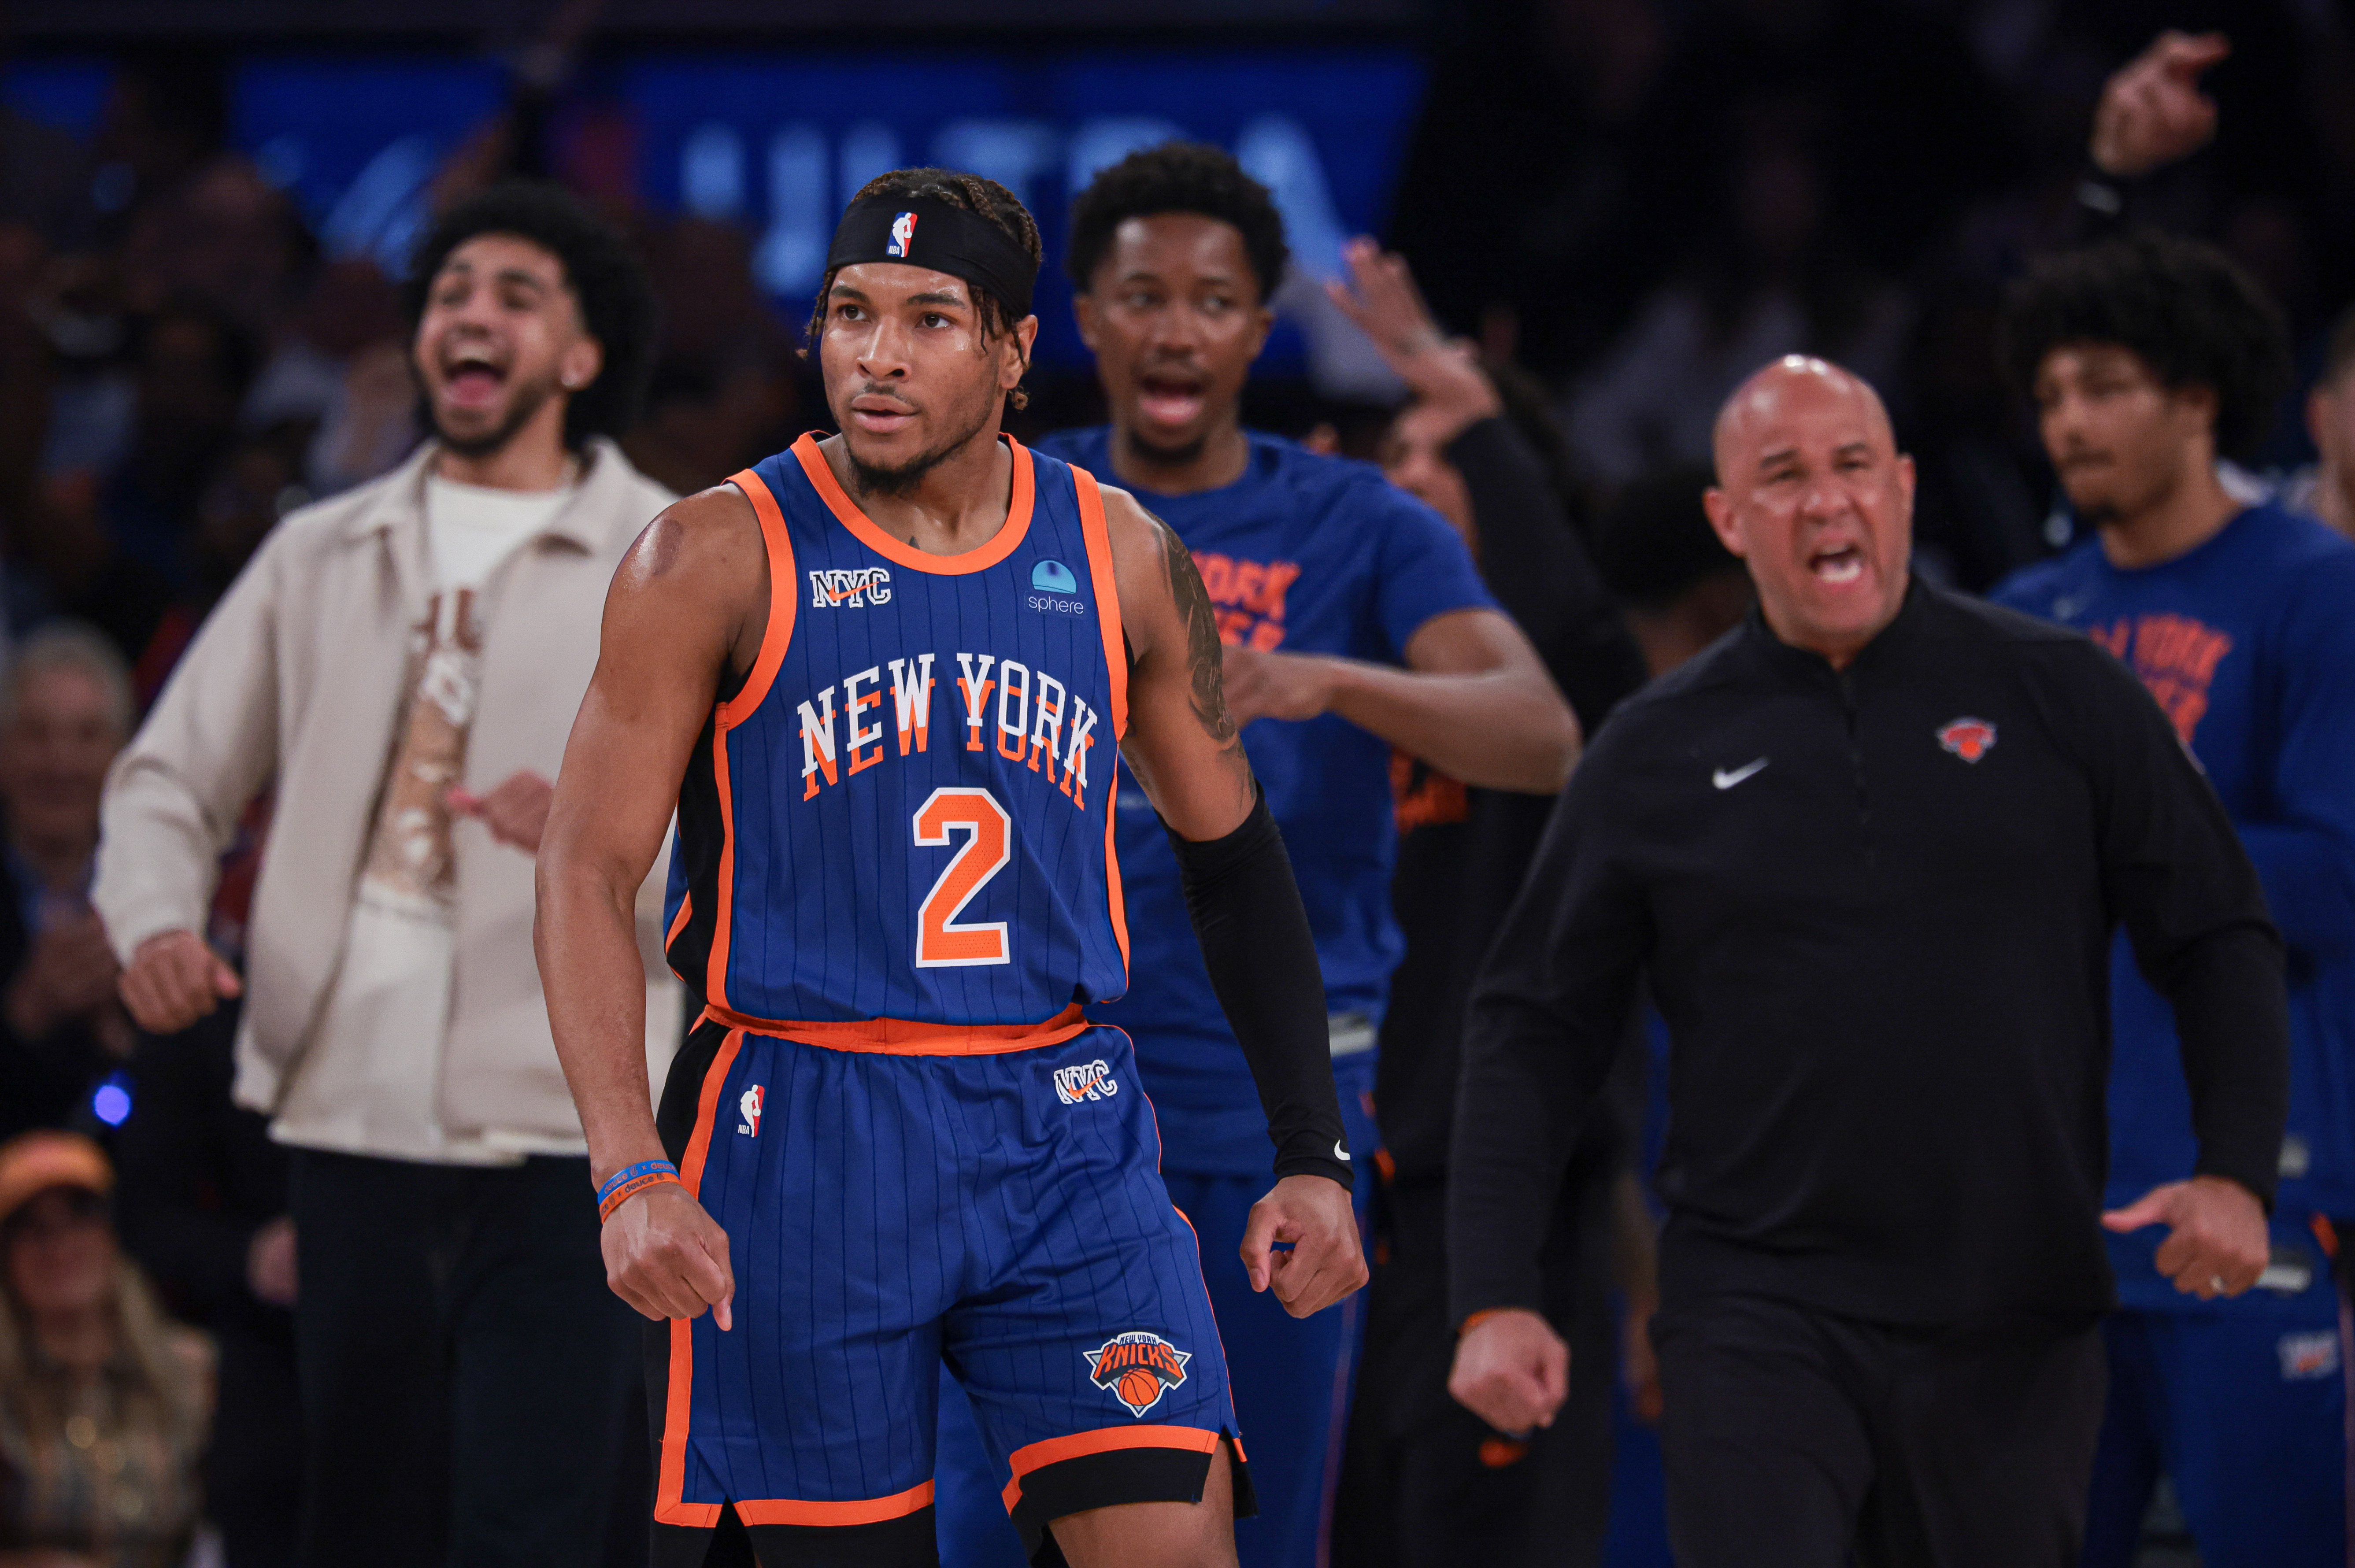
x: 1546, y: 1020
x: 1255, y: 940
x: 2174, y: 872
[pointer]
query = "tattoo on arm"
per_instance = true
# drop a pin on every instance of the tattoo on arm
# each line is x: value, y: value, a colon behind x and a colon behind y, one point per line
x: 1205, y: 655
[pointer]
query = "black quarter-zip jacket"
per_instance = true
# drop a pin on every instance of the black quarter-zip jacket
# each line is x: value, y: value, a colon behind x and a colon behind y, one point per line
x: 1875, y: 906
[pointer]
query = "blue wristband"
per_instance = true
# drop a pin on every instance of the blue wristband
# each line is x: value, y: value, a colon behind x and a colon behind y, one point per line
x: 623, y: 1177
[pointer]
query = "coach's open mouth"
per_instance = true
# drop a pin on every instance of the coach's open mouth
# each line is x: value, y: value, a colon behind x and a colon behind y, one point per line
x: 1838, y: 564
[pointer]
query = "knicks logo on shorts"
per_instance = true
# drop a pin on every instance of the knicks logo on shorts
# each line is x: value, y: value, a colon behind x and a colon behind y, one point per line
x: 748, y: 1102
x: 1136, y: 1369
x: 850, y: 590
x: 2308, y: 1355
x: 1969, y: 739
x: 1088, y: 1080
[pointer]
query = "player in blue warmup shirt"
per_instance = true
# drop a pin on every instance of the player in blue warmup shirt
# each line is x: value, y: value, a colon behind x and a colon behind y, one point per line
x: 881, y: 677
x: 1355, y: 619
x: 2146, y: 357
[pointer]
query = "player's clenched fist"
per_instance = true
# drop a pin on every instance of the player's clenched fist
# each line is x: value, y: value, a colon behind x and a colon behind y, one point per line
x: 1326, y: 1262
x: 667, y: 1258
x: 1511, y: 1369
x: 173, y: 980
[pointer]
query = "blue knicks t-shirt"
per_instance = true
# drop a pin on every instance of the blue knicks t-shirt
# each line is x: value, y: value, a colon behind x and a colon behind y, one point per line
x: 2248, y: 643
x: 1303, y: 554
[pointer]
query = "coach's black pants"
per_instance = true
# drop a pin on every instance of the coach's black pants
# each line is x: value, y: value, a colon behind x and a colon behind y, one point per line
x: 465, y: 1373
x: 1792, y: 1436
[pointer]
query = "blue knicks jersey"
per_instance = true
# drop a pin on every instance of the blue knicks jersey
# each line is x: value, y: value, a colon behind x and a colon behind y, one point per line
x: 905, y: 814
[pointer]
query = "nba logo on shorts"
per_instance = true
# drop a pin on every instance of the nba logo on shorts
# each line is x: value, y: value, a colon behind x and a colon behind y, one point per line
x: 1136, y: 1369
x: 903, y: 230
x: 750, y: 1103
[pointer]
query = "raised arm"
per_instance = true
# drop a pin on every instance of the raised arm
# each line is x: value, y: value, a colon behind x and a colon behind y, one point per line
x: 687, y: 608
x: 1183, y: 747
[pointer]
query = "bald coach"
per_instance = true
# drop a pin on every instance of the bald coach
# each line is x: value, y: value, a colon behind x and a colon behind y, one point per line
x: 1869, y: 850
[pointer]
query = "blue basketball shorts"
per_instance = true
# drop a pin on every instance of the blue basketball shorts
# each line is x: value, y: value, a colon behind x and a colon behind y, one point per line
x: 890, y: 1212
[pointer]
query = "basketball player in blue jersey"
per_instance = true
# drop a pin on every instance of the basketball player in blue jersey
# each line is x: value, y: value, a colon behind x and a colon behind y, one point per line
x: 1355, y: 622
x: 882, y: 678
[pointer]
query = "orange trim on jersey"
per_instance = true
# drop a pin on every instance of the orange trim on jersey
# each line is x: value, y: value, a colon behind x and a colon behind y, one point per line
x: 1104, y: 1440
x: 715, y: 969
x: 678, y: 922
x: 906, y: 1037
x: 1098, y: 538
x: 784, y: 595
x: 865, y: 1510
x: 775, y: 639
x: 899, y: 551
x: 679, y: 1404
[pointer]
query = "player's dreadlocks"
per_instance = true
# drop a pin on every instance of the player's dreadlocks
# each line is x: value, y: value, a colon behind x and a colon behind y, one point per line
x: 1177, y: 177
x: 972, y: 192
x: 2182, y: 306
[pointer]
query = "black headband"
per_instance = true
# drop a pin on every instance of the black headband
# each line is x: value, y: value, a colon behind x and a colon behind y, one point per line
x: 925, y: 232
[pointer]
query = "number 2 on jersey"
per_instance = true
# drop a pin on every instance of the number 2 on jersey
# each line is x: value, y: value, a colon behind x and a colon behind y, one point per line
x: 940, y: 943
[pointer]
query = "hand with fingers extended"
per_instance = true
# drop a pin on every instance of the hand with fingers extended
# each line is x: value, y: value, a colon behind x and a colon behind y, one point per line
x: 2152, y: 111
x: 516, y: 811
x: 1444, y: 376
x: 1512, y: 1370
x: 2216, y: 1245
x: 173, y: 980
x: 1325, y: 1262
x: 667, y: 1258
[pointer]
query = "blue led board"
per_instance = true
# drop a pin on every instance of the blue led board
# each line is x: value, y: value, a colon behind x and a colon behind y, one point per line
x: 777, y: 141
x: 67, y: 93
x: 357, y: 139
x: 780, y: 142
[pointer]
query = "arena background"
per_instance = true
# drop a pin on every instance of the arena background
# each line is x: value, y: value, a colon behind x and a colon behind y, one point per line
x: 1635, y: 200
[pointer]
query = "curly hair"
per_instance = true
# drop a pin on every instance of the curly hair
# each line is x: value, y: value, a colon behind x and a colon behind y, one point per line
x: 976, y: 195
x: 2182, y: 306
x: 1176, y: 177
x: 615, y: 297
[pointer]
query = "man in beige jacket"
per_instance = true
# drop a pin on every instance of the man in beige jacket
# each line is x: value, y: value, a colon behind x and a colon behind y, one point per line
x: 404, y: 661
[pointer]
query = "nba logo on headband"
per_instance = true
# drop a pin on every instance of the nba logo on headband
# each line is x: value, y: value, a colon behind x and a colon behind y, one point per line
x: 903, y: 230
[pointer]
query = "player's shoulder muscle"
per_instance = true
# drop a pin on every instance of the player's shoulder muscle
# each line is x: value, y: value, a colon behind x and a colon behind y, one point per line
x: 699, y: 566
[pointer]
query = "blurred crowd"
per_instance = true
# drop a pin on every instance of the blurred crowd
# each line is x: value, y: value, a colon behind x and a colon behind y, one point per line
x: 1625, y: 206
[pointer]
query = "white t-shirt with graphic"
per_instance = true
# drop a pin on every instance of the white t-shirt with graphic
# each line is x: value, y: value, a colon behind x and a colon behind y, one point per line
x: 370, y: 1082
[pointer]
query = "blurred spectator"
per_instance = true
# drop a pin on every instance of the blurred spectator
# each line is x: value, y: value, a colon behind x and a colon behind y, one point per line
x: 222, y: 238
x: 103, y: 1400
x: 193, y: 366
x: 65, y: 710
x: 722, y: 395
x: 1678, y: 587
x: 2326, y: 490
x: 165, y: 113
x: 203, y: 1207
x: 407, y: 658
x: 259, y: 481
x: 1428, y: 1483
x: 1774, y: 275
x: 2146, y: 357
